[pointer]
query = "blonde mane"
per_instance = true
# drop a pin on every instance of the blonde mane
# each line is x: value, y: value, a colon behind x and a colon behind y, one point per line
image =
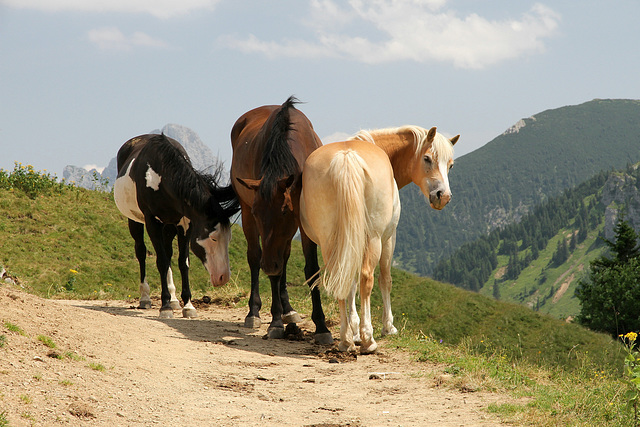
x: 441, y: 147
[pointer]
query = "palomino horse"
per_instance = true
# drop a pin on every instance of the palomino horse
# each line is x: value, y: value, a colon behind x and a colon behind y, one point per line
x: 350, y: 206
x: 270, y: 145
x: 158, y: 187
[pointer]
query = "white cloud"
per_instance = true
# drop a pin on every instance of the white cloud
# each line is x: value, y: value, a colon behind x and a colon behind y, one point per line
x: 111, y: 38
x: 160, y: 8
x: 415, y: 30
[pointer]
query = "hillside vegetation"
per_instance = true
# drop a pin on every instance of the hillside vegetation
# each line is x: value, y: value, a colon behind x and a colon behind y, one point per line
x: 500, y: 182
x: 540, y: 260
x: 65, y: 242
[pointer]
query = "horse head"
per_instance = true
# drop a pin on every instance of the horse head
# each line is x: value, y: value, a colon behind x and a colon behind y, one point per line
x: 432, y: 168
x: 273, y: 211
x: 210, y: 237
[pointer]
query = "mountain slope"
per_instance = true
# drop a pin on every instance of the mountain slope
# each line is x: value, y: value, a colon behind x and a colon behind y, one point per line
x: 201, y: 157
x: 500, y: 182
x: 540, y: 260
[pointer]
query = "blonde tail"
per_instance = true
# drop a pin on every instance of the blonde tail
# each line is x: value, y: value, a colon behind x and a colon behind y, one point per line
x: 346, y: 246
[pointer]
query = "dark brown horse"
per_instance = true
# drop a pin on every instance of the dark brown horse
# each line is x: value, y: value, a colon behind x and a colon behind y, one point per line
x: 270, y: 145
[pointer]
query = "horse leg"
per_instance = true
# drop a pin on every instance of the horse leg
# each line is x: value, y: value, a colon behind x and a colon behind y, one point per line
x: 154, y: 229
x: 352, y: 315
x: 385, y: 286
x: 136, y: 229
x: 254, y: 253
x: 276, y: 327
x: 371, y: 258
x: 311, y: 271
x: 168, y: 234
x: 183, y: 263
x: 289, y: 315
x: 346, y: 336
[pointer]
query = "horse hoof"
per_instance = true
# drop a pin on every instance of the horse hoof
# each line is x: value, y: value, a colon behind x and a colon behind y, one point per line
x: 389, y: 331
x: 275, y: 333
x: 145, y: 305
x: 175, y: 304
x: 369, y: 349
x: 189, y: 312
x: 252, y: 322
x: 166, y: 313
x: 324, y: 338
x: 291, y: 317
x: 346, y: 346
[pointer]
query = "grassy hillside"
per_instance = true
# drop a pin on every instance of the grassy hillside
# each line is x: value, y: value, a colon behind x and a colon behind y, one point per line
x: 497, y: 184
x: 72, y: 243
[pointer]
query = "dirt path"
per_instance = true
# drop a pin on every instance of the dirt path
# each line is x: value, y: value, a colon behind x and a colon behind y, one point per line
x: 206, y: 371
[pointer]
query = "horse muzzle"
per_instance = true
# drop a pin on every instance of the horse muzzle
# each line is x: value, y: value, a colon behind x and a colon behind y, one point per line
x: 439, y: 199
x: 218, y: 280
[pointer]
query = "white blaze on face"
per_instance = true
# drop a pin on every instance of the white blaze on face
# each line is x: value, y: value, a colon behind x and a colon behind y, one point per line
x: 124, y: 193
x: 153, y: 179
x: 216, y: 248
x: 443, y: 167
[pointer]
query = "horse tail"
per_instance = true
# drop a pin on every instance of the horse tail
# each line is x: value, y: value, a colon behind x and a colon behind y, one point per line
x: 346, y: 245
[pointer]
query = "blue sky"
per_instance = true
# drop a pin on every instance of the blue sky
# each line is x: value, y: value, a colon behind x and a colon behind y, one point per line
x: 80, y: 77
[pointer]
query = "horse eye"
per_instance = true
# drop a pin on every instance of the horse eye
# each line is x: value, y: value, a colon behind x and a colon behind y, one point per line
x: 427, y: 159
x: 450, y: 167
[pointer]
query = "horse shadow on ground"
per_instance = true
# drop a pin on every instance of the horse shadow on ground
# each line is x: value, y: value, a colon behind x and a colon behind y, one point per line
x: 231, y: 333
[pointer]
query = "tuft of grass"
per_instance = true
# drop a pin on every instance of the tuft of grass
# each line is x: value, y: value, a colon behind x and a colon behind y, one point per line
x: 3, y: 340
x: 46, y: 341
x: 66, y: 383
x: 73, y: 356
x: 11, y: 327
x: 25, y: 398
x: 97, y: 367
x: 4, y: 422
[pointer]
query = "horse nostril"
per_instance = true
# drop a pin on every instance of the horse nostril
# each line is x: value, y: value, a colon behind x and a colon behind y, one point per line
x: 439, y: 195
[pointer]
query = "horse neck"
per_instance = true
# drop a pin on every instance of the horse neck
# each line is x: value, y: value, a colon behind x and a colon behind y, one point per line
x: 401, y: 152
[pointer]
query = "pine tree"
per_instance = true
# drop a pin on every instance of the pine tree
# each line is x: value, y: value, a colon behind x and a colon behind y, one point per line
x: 610, y: 298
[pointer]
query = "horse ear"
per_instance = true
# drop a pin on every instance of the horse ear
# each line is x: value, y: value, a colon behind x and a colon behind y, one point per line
x: 251, y: 184
x: 286, y: 182
x: 454, y: 139
x: 432, y: 134
x: 288, y: 204
x: 285, y: 185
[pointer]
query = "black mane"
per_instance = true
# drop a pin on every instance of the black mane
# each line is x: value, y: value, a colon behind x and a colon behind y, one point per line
x: 278, y: 160
x: 190, y: 186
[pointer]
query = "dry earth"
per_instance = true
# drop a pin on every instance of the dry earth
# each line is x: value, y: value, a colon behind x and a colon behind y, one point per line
x: 115, y: 365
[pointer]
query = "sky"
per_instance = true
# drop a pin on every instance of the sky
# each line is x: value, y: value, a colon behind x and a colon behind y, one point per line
x: 80, y: 77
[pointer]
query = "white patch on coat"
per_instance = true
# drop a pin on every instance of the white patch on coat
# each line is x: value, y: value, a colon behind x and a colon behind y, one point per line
x: 124, y: 194
x: 184, y: 223
x: 152, y: 178
x: 145, y: 292
x: 171, y: 285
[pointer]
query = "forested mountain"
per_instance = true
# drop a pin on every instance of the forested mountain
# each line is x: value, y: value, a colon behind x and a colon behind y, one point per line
x: 539, y: 260
x: 498, y: 184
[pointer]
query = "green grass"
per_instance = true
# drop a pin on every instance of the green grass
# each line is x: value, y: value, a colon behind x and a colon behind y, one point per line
x: 11, y: 327
x: 46, y: 341
x: 73, y: 243
x: 97, y: 367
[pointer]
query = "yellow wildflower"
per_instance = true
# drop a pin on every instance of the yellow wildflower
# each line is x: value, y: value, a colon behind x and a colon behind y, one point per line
x: 631, y: 336
x: 72, y: 271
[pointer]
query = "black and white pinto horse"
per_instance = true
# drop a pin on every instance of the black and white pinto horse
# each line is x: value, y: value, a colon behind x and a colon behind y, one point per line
x: 158, y: 187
